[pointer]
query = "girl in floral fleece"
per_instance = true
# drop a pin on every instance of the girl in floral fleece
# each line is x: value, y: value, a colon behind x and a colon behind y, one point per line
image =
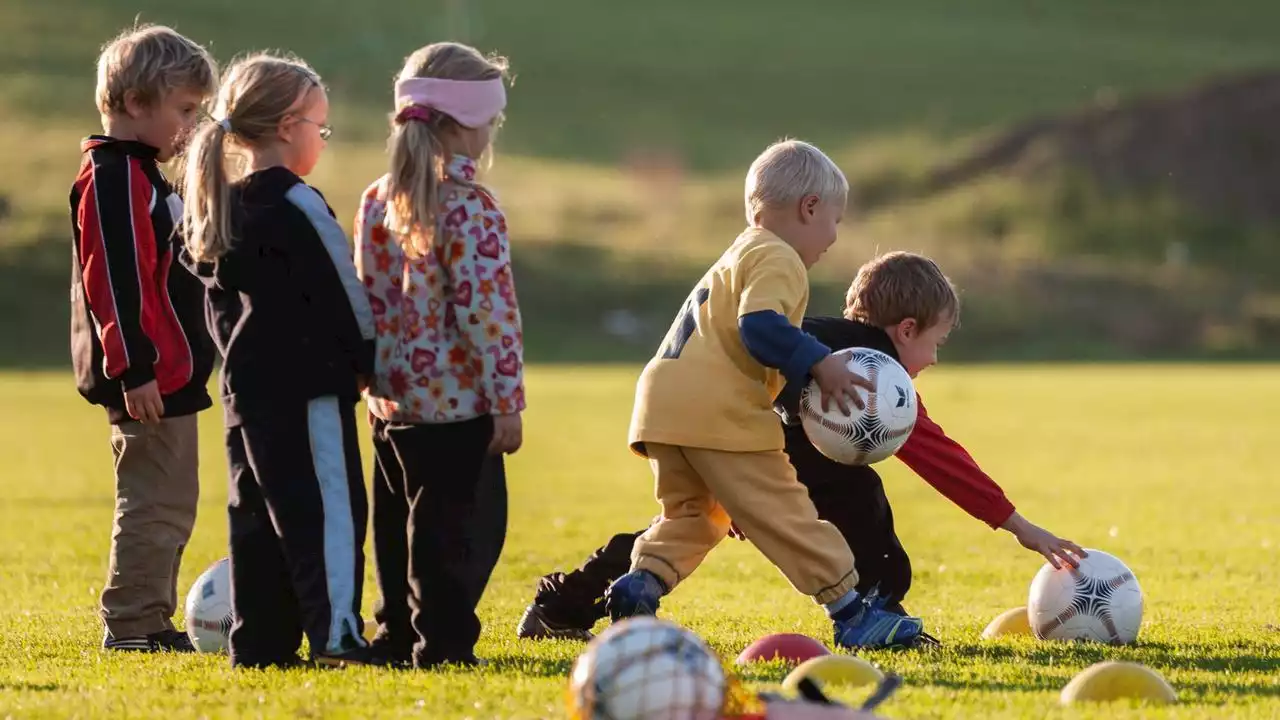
x: 431, y: 247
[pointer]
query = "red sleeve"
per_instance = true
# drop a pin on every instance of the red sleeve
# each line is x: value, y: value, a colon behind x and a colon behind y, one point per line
x: 945, y: 465
x: 118, y: 264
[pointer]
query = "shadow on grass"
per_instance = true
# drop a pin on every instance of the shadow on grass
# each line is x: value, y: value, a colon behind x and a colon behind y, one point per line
x: 1239, y: 657
x: 1233, y: 690
x: 1203, y: 692
x: 1254, y: 657
x: 526, y: 665
x: 1257, y: 658
x: 1044, y: 683
x: 1036, y: 684
x: 29, y: 687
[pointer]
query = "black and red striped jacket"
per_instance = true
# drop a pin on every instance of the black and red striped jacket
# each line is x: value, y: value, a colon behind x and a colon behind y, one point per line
x: 136, y: 315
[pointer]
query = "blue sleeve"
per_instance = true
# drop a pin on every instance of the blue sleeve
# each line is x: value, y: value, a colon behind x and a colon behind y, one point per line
x: 774, y: 342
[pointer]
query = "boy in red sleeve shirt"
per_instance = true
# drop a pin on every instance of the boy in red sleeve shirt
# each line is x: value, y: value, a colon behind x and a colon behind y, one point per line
x: 900, y: 304
x: 139, y: 344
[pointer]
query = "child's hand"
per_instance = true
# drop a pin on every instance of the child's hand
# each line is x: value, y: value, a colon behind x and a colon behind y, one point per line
x: 1036, y: 539
x: 144, y: 403
x: 839, y: 383
x: 508, y: 434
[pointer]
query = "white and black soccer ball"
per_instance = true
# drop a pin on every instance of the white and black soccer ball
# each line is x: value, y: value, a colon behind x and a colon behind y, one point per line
x: 1101, y: 601
x: 209, y: 616
x: 873, y: 433
x: 644, y: 668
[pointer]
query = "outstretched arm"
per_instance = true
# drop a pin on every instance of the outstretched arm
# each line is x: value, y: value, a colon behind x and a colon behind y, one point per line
x: 944, y: 464
x: 1036, y: 539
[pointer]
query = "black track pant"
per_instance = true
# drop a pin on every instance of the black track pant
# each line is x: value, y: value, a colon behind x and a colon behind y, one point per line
x: 439, y: 523
x: 298, y: 513
x: 851, y: 498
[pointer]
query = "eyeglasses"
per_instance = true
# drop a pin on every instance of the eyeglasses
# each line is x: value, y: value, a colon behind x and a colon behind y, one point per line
x: 326, y: 131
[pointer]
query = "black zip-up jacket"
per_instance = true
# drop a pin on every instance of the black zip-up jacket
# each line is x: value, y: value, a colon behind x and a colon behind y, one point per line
x: 285, y: 306
x: 836, y: 333
x: 135, y: 316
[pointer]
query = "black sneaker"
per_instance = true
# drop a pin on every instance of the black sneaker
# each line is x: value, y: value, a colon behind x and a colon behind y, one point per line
x: 535, y: 624
x: 364, y: 655
x: 388, y: 652
x: 927, y: 641
x: 163, y: 641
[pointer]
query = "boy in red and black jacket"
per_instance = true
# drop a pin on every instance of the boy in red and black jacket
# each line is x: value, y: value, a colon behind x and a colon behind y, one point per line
x: 900, y: 304
x: 139, y: 344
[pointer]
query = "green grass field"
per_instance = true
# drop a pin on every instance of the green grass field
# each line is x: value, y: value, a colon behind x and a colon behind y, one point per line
x: 1170, y: 468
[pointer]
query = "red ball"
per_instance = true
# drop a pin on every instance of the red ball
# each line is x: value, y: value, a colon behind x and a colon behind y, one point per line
x: 790, y: 647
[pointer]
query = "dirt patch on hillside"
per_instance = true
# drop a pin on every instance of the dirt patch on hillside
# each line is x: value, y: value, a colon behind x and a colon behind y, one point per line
x: 1216, y: 147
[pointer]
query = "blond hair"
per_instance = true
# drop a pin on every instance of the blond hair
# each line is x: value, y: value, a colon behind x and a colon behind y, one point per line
x: 416, y: 148
x: 256, y: 94
x: 789, y: 170
x: 151, y: 60
x: 901, y: 285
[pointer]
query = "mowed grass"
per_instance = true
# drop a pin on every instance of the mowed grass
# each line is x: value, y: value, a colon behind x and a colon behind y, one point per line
x: 1170, y: 468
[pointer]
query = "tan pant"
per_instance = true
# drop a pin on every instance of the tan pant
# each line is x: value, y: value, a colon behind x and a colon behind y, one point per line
x: 157, y: 486
x: 700, y: 490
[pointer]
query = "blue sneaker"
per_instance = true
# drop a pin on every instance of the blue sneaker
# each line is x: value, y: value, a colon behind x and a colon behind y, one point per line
x: 636, y: 593
x: 875, y: 627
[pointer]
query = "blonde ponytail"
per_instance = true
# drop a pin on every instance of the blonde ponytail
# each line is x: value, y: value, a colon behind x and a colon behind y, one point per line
x: 256, y: 95
x: 417, y: 152
x: 206, y: 215
x: 413, y: 183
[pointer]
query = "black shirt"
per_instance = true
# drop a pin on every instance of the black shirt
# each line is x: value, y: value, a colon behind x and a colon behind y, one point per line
x: 285, y: 305
x: 836, y: 333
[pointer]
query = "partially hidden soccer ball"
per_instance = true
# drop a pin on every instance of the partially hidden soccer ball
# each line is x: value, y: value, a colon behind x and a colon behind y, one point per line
x: 873, y: 433
x: 644, y: 668
x: 209, y: 616
x: 1101, y: 601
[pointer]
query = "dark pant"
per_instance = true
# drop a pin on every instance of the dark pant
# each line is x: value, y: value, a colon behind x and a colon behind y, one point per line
x: 863, y: 516
x: 576, y: 598
x: 852, y: 498
x: 857, y: 506
x: 298, y: 513
x: 439, y: 523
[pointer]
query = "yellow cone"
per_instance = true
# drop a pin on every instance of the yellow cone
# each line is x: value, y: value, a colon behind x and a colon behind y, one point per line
x: 832, y: 670
x: 1009, y: 622
x: 1114, y: 680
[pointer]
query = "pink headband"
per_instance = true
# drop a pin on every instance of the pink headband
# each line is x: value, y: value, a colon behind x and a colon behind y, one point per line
x: 474, y: 103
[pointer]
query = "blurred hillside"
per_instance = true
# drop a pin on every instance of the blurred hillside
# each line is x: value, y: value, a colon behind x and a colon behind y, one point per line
x: 1099, y: 177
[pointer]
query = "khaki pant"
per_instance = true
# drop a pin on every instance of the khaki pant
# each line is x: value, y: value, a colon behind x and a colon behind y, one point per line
x: 157, y: 486
x: 700, y: 490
